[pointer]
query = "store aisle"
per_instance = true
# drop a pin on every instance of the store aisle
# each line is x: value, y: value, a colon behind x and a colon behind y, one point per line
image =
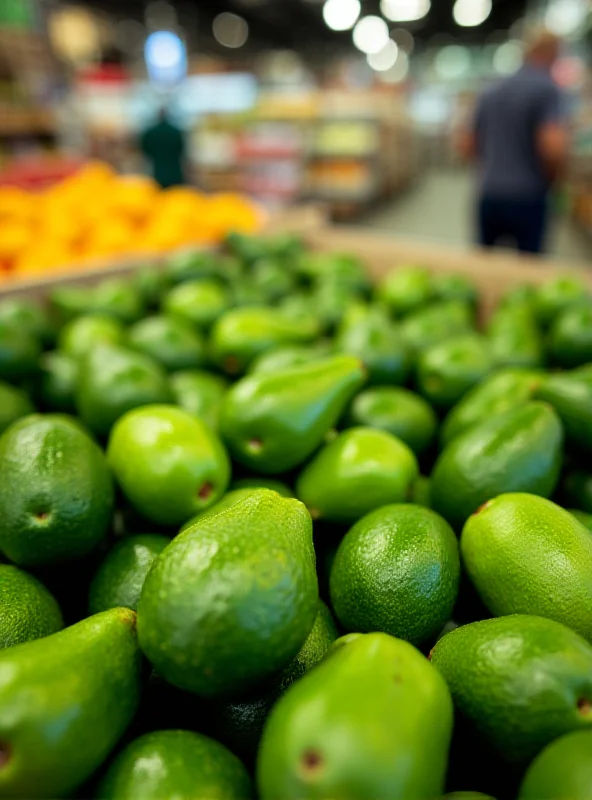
x: 439, y: 209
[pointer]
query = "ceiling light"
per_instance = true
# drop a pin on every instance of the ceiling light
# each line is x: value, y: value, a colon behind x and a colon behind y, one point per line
x: 398, y: 72
x: 230, y: 30
x: 371, y: 34
x: 471, y: 13
x: 404, y: 39
x: 564, y: 17
x: 405, y: 10
x: 385, y: 58
x: 341, y: 15
x: 507, y: 58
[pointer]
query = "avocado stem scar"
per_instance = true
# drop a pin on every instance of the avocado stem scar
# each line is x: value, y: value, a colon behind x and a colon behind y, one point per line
x: 255, y: 445
x: 584, y: 706
x: 311, y: 762
x: 205, y: 491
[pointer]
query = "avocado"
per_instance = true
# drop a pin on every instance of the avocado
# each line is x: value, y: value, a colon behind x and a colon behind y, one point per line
x: 56, y: 493
x: 435, y: 324
x: 408, y: 585
x: 68, y: 302
x: 570, y: 337
x: 57, y: 382
x: 518, y: 451
x: 81, y: 334
x: 175, y: 765
x: 421, y: 492
x: 170, y: 341
x: 397, y: 411
x: 28, y: 316
x: 198, y: 303
x: 191, y: 265
x: 19, y: 352
x: 230, y: 499
x: 200, y: 393
x: 557, y: 294
x: 113, y: 380
x: 119, y: 298
x: 362, y: 469
x: 272, y: 423
x: 372, y: 720
x: 65, y: 701
x: 514, y: 337
x: 263, y: 483
x: 572, y: 400
x: 562, y: 770
x: 118, y: 581
x: 448, y: 370
x: 521, y: 681
x: 151, y: 282
x: 242, y: 334
x: 246, y: 580
x: 27, y: 610
x: 405, y: 289
x: 271, y: 279
x: 447, y: 287
x: 283, y: 358
x: 502, y: 391
x: 14, y: 404
x: 527, y: 555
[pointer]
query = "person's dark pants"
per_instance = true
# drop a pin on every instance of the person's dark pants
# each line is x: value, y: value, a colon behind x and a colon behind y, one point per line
x: 524, y: 222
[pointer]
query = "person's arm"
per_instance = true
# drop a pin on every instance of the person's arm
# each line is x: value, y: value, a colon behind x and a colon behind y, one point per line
x: 552, y: 135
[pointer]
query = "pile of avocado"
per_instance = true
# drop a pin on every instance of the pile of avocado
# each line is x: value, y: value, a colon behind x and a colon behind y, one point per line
x: 269, y: 530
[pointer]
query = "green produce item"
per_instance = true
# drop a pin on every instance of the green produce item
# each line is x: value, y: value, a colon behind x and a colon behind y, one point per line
x: 199, y: 303
x: 522, y: 681
x: 246, y: 580
x: 27, y: 316
x: 577, y: 488
x: 339, y: 269
x: 169, y: 340
x: 272, y: 279
x: 240, y: 723
x: 502, y: 391
x: 377, y: 342
x: 435, y: 324
x: 200, y: 393
x: 243, y: 334
x: 114, y: 380
x: 301, y: 307
x: 19, y: 352
x: 119, y: 298
x: 332, y: 301
x: 467, y: 796
x: 526, y: 555
x: 169, y: 464
x: 572, y: 400
x: 67, y: 302
x: 562, y: 770
x: 82, y: 334
x: 407, y: 584
x: 362, y: 469
x: 27, y: 610
x: 518, y: 451
x: 272, y: 423
x: 421, y: 492
x: 118, y: 581
x: 14, y: 404
x: 399, y: 412
x: 263, y: 483
x: 175, y: 765
x: 406, y: 289
x: 284, y: 358
x: 56, y: 493
x: 191, y: 265
x: 583, y: 517
x: 455, y: 287
x: 570, y: 338
x: 230, y: 499
x: 65, y: 701
x: 57, y: 382
x: 151, y: 283
x: 557, y: 294
x: 447, y: 371
x: 247, y: 249
x: 372, y: 720
x: 584, y: 372
x: 514, y: 337
x: 522, y: 295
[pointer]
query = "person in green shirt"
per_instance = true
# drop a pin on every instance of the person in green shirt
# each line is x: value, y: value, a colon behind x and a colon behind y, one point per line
x: 163, y: 144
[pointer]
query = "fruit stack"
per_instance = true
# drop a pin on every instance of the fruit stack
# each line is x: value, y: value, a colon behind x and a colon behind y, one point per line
x: 271, y: 531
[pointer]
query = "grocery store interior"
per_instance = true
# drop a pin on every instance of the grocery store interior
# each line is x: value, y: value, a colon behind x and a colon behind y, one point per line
x: 354, y: 105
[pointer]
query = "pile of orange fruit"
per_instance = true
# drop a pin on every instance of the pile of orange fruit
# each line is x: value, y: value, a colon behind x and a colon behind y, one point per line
x: 97, y: 216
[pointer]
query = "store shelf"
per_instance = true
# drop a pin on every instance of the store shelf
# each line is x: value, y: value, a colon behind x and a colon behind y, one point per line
x: 24, y: 122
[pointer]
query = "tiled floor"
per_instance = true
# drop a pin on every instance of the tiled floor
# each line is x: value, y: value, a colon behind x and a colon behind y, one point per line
x: 439, y: 208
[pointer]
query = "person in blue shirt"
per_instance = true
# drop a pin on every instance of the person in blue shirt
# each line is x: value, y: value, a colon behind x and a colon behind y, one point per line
x: 519, y: 138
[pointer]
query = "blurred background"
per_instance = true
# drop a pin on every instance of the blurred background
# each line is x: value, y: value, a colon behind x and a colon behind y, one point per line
x: 351, y: 103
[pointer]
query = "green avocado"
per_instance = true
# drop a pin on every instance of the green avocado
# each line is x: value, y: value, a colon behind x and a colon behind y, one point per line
x: 175, y: 765
x: 191, y: 265
x: 447, y: 371
x: 557, y: 294
x: 521, y: 681
x: 518, y: 451
x: 20, y: 350
x: 28, y: 316
x: 56, y: 493
x: 198, y: 303
x: 118, y: 581
x: 230, y: 499
x: 14, y: 404
x: 455, y: 287
x: 246, y: 580
x: 200, y: 393
x: 515, y: 338
x: 372, y: 720
x: 57, y: 382
x: 526, y: 555
x: 406, y: 289
x: 68, y: 302
x: 397, y: 411
x: 570, y: 338
x: 27, y: 610
x: 263, y: 483
x: 151, y: 283
x: 65, y: 701
x: 562, y: 770
x: 362, y: 469
x: 572, y: 400
x: 113, y: 380
x: 81, y: 334
x: 435, y: 324
x: 408, y: 585
x: 170, y: 341
x: 272, y: 423
x: 287, y: 357
x: 271, y: 279
x: 119, y: 298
